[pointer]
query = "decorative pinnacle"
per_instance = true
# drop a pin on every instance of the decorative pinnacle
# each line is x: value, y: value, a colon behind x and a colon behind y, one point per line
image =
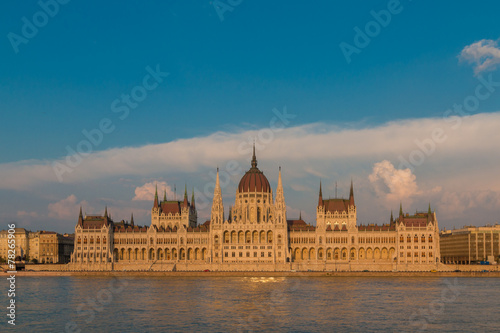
x: 254, y: 159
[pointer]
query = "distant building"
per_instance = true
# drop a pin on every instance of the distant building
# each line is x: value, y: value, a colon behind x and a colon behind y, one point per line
x: 34, y: 246
x: 39, y: 246
x: 55, y: 248
x: 470, y: 245
x: 22, y: 244
x: 256, y: 235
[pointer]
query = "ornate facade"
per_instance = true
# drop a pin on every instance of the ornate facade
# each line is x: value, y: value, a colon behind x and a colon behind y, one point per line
x: 257, y: 236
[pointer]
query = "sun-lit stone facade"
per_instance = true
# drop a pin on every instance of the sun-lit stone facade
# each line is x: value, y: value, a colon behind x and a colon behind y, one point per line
x: 256, y: 236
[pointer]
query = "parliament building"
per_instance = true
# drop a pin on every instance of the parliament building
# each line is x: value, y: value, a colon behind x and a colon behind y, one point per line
x: 256, y: 236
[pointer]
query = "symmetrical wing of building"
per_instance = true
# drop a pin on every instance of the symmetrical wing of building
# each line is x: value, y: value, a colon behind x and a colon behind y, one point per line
x: 256, y: 236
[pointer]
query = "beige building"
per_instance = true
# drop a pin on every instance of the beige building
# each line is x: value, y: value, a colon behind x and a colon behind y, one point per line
x: 34, y: 246
x: 257, y: 235
x: 470, y: 245
x: 22, y: 244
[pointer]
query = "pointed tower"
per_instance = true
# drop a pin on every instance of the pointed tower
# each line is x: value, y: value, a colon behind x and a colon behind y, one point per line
x: 156, y: 210
x: 392, y: 219
x: 320, y: 199
x: 351, y: 196
x: 217, y: 216
x: 132, y: 219
x: 185, y: 203
x: 80, y: 218
x: 279, y: 203
x: 400, y: 209
x: 106, y: 211
x: 164, y: 195
x: 155, y: 203
x: 192, y: 200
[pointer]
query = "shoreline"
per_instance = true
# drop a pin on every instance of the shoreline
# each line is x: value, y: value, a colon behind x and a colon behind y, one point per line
x: 253, y: 274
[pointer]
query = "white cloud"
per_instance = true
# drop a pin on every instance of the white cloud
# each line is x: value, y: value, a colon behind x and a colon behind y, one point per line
x: 23, y: 214
x: 455, y: 204
x: 484, y: 55
x: 147, y: 191
x: 295, y: 148
x: 392, y: 184
x: 67, y: 208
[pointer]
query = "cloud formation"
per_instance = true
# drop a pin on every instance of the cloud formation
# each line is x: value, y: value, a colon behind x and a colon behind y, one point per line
x: 392, y: 184
x: 484, y: 55
x: 65, y: 209
x: 146, y: 192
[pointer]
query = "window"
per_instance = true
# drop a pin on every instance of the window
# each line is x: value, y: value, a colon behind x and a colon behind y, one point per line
x: 233, y: 255
x: 401, y: 239
x: 241, y: 254
x: 270, y: 254
x: 225, y: 254
x: 262, y: 254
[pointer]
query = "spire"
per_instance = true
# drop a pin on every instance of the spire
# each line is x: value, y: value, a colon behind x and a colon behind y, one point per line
x: 320, y: 200
x: 254, y: 159
x: 280, y: 184
x: 106, y: 211
x: 217, y: 184
x: 392, y: 218
x: 185, y: 196
x: 351, y: 195
x: 400, y: 208
x: 217, y: 215
x: 155, y: 203
x: 300, y: 215
x: 429, y: 212
x: 80, y: 217
x: 132, y: 219
x: 164, y: 194
x: 192, y: 199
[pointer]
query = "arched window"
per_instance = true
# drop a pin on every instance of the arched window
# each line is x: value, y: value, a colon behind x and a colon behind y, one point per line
x: 151, y: 240
x: 320, y: 240
x: 430, y: 238
x: 422, y: 239
x: 91, y: 240
x: 104, y: 240
x: 84, y: 240
x: 79, y: 241
x: 401, y: 239
x: 98, y: 240
x: 279, y: 239
x: 216, y: 239
x: 408, y: 239
x: 226, y: 237
x: 258, y: 215
x: 415, y: 239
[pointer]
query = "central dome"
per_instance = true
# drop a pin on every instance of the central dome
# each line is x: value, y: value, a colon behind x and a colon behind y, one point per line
x: 254, y: 180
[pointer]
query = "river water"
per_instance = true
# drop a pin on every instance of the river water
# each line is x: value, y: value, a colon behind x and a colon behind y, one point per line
x: 243, y: 304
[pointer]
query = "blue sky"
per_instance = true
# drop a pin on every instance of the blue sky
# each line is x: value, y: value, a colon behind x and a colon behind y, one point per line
x: 226, y: 76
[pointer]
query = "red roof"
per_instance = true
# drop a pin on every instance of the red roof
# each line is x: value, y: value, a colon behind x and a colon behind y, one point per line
x: 172, y: 207
x: 339, y: 205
